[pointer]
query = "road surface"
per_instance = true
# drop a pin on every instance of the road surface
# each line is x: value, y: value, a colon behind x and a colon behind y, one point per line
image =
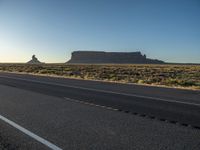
x: 54, y: 113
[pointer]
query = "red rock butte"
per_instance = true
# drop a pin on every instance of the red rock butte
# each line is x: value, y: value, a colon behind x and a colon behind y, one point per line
x: 101, y: 57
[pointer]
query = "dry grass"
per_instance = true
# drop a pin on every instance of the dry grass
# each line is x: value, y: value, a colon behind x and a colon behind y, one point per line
x: 185, y: 76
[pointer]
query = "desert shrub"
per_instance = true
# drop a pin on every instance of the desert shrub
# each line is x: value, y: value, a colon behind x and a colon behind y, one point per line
x: 170, y: 75
x: 140, y: 81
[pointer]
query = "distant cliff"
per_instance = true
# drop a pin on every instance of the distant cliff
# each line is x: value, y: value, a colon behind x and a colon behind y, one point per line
x: 100, y: 57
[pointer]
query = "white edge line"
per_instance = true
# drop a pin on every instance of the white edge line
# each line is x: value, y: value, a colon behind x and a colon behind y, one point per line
x: 32, y: 135
x: 104, y: 91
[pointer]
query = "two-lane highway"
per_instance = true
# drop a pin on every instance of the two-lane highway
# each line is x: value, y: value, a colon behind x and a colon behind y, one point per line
x: 77, y: 114
x: 180, y: 110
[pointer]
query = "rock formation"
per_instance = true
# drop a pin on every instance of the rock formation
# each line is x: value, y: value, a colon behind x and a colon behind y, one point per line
x: 100, y: 57
x: 34, y: 60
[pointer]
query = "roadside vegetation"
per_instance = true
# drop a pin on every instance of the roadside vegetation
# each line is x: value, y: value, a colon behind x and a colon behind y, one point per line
x: 183, y: 76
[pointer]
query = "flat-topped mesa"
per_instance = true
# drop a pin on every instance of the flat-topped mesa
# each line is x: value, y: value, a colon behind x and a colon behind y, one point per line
x: 101, y: 57
x: 34, y: 60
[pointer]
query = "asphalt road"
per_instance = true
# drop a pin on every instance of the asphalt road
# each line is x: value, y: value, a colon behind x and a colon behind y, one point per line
x: 76, y: 114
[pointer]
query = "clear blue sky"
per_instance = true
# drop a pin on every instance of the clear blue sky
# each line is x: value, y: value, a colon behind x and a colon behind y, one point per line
x: 51, y: 29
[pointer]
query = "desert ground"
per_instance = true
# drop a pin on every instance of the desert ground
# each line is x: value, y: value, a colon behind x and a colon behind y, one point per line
x: 177, y: 76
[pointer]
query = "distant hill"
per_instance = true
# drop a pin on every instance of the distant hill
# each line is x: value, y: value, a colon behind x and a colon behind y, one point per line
x: 101, y: 57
